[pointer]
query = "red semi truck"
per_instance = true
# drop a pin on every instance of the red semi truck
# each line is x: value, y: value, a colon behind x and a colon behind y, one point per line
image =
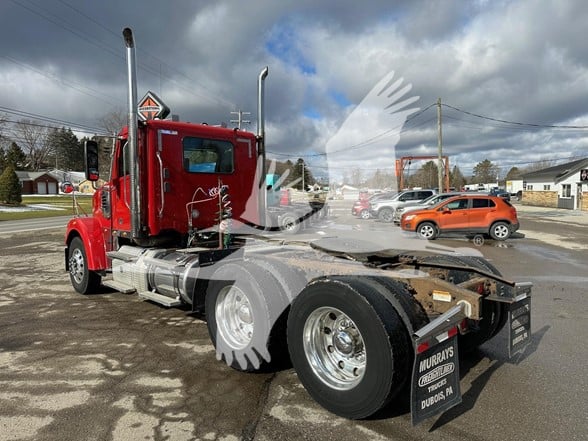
x: 179, y: 222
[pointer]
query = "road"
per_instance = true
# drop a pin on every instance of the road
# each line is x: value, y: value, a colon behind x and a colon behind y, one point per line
x: 110, y: 367
x: 45, y: 223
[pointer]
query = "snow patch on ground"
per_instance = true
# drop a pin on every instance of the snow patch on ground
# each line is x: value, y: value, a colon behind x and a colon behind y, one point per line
x: 34, y: 207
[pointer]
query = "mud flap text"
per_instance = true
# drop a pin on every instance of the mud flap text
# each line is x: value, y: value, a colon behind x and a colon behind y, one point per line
x: 435, y: 381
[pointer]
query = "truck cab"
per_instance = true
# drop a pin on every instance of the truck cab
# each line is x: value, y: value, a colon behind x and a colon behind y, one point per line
x: 181, y: 169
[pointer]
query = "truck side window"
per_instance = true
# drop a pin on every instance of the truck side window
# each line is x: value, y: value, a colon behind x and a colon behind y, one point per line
x: 123, y: 160
x: 207, y: 155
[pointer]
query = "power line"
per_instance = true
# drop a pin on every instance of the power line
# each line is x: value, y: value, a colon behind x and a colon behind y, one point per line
x: 216, y: 99
x: 549, y: 126
x: 359, y: 145
x: 67, y: 83
x: 60, y: 122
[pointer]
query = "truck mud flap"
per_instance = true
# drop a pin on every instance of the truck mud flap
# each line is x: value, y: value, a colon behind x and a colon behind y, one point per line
x: 435, y: 374
x: 518, y: 297
x: 519, y: 326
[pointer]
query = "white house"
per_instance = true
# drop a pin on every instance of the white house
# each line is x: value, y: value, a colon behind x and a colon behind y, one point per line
x: 560, y: 186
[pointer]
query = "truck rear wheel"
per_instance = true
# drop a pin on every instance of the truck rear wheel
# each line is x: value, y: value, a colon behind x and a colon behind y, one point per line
x: 243, y: 303
x: 348, y: 346
x: 82, y: 279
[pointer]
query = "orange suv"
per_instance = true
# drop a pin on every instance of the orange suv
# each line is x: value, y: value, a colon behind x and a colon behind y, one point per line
x: 469, y: 214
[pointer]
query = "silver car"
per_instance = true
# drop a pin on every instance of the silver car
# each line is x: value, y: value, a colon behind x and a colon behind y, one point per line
x: 429, y: 202
x: 384, y: 209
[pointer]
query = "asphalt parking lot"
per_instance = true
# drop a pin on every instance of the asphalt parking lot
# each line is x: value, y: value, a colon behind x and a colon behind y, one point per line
x: 111, y: 367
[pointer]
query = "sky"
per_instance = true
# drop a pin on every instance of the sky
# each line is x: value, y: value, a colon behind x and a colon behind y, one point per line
x: 351, y: 86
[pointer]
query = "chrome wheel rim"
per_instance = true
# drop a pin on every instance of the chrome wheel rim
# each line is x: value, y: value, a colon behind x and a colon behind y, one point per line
x: 77, y: 266
x: 334, y: 348
x: 234, y: 317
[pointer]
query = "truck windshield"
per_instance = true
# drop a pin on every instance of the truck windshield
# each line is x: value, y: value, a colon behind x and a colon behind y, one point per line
x: 207, y: 155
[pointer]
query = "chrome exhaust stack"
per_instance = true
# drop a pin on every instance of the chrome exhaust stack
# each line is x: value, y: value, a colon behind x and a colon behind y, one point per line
x: 261, y: 144
x: 133, y: 134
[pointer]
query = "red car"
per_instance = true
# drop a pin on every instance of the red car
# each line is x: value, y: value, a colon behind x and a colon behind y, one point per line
x: 361, y: 208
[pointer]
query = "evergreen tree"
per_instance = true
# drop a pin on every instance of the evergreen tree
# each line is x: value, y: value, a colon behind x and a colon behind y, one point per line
x: 16, y: 157
x: 456, y: 178
x: 10, y: 189
x: 296, y: 173
x: 485, y: 172
x: 67, y: 150
x: 2, y: 159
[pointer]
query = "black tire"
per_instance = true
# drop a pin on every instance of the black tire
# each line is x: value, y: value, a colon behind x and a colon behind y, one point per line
x: 357, y: 370
x: 82, y: 279
x: 500, y: 231
x: 364, y: 214
x: 289, y: 224
x: 243, y: 303
x: 291, y: 281
x: 386, y: 215
x: 427, y: 230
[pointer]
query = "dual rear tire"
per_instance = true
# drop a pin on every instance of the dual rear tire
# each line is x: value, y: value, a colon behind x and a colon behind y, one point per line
x: 349, y: 345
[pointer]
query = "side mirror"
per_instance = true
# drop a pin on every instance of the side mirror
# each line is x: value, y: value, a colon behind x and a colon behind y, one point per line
x: 67, y: 187
x: 91, y: 160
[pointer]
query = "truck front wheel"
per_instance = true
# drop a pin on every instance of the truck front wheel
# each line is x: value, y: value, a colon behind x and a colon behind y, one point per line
x: 348, y: 346
x: 82, y: 279
x: 290, y: 224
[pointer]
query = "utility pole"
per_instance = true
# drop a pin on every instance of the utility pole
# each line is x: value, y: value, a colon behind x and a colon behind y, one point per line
x: 302, y: 164
x: 239, y: 121
x: 440, y: 167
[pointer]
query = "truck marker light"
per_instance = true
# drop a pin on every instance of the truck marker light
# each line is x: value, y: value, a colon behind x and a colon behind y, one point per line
x: 441, y: 296
x: 422, y: 347
x: 425, y: 346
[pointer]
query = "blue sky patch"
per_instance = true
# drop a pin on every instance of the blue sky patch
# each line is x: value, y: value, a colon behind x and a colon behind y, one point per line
x: 284, y: 43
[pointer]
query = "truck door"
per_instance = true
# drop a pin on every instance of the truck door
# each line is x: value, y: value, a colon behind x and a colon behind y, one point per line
x: 121, y: 192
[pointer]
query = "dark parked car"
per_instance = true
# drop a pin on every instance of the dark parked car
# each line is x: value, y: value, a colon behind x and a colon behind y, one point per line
x: 500, y: 193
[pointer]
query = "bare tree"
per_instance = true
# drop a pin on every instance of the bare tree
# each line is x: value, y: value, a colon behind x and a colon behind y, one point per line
x: 32, y: 137
x: 3, y: 139
x: 539, y: 165
x: 114, y: 121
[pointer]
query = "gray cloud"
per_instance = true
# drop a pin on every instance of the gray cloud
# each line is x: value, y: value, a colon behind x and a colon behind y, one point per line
x: 523, y: 61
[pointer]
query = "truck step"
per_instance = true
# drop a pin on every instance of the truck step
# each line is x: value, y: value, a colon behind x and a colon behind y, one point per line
x: 121, y: 256
x: 119, y: 286
x: 158, y: 298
